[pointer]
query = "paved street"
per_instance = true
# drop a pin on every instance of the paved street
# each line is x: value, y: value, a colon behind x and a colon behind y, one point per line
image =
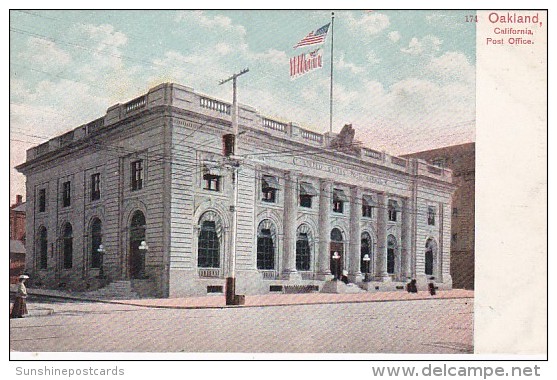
x: 417, y: 326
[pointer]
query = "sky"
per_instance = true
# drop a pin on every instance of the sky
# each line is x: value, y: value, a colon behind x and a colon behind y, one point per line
x: 405, y: 80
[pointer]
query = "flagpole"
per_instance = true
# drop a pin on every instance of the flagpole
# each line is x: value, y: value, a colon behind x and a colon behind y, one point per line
x: 331, y: 93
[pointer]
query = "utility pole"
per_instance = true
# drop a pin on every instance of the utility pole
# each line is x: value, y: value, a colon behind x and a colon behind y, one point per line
x: 230, y: 149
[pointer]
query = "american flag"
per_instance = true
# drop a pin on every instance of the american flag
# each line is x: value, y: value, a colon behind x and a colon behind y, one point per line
x: 314, y: 38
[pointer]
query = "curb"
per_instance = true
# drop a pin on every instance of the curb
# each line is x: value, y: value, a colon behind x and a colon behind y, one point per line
x: 73, y: 298
x: 154, y: 306
x: 279, y: 304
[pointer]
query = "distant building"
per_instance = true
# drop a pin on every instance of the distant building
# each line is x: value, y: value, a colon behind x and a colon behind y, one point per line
x: 149, y: 182
x: 461, y: 159
x: 17, y: 238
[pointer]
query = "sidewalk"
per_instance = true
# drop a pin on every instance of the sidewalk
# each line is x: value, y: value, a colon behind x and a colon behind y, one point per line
x: 218, y: 301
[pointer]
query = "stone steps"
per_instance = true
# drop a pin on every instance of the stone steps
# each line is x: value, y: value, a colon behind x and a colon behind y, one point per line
x: 340, y: 287
x: 115, y: 290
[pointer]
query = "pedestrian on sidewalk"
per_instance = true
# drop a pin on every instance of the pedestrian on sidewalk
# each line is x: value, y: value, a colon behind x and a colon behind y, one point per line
x: 344, y: 277
x: 432, y: 287
x: 411, y: 286
x: 20, y: 307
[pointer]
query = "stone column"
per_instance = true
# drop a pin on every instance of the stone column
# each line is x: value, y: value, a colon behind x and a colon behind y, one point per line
x: 289, y: 226
x: 406, y: 243
x: 381, y: 263
x: 354, y: 272
x: 323, y: 259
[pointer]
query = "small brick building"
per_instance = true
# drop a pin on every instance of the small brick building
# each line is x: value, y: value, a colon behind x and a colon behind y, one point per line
x: 17, y: 238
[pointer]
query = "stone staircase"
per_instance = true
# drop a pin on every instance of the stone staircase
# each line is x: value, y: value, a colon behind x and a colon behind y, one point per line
x: 339, y: 287
x: 117, y: 290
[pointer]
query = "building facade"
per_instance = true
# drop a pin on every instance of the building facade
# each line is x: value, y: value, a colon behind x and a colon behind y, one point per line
x: 149, y: 183
x: 461, y: 159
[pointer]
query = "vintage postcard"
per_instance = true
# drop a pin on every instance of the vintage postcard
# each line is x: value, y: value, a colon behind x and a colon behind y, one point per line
x: 325, y: 184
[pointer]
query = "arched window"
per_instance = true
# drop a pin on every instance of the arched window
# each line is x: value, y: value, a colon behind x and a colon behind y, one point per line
x: 336, y: 262
x: 303, y: 248
x: 137, y: 235
x: 336, y: 235
x: 208, y: 246
x: 391, y: 248
x: 365, y: 249
x: 43, y: 248
x: 68, y: 246
x: 266, y: 235
x: 430, y: 250
x: 209, y: 240
x: 96, y: 241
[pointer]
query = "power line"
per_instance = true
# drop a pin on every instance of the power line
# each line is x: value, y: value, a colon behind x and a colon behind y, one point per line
x: 151, y: 63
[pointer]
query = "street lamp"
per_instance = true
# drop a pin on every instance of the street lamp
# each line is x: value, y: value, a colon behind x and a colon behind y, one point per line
x: 143, y: 249
x: 366, y: 260
x: 101, y: 252
x: 336, y: 258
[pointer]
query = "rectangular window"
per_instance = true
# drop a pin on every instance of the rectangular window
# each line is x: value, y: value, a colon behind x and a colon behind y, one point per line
x: 42, y: 200
x: 338, y: 200
x: 66, y: 194
x: 305, y: 200
x: 96, y: 187
x: 431, y: 215
x: 307, y: 192
x: 214, y: 289
x: 137, y: 174
x: 455, y: 211
x: 454, y: 238
x: 269, y: 195
x: 366, y: 211
x: 269, y: 187
x: 211, y: 182
x: 393, y: 209
x: 392, y: 215
x: 367, y: 206
x: 440, y: 162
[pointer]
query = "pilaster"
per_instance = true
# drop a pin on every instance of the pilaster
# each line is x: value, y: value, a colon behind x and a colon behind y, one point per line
x: 381, y: 263
x: 354, y: 272
x: 323, y: 262
x: 290, y: 211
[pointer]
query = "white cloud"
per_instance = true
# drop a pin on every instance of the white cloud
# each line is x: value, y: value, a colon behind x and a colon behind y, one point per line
x: 444, y: 19
x: 374, y: 89
x: 372, y: 57
x: 205, y: 20
x: 452, y: 66
x: 343, y: 65
x: 370, y: 23
x: 223, y: 48
x: 105, y: 35
x: 426, y: 45
x: 45, y: 54
x: 278, y: 57
x: 106, y: 46
x: 193, y: 69
x: 58, y: 106
x: 394, y: 36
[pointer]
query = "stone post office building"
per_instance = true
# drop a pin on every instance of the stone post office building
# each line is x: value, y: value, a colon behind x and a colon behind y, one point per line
x: 148, y: 182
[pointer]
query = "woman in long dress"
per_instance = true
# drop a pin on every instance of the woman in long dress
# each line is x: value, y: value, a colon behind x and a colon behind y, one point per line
x: 20, y: 307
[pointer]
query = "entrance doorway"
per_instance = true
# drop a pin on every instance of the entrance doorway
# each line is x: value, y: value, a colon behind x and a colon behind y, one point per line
x: 391, y: 254
x: 430, y: 257
x: 137, y: 235
x: 337, y: 245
